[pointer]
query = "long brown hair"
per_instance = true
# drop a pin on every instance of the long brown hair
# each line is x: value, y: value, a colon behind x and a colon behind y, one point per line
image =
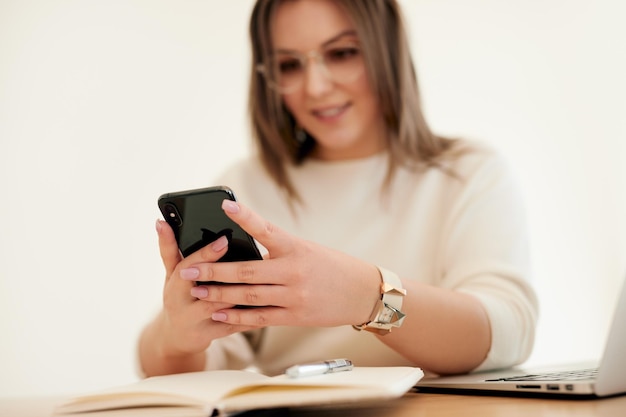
x: 381, y: 31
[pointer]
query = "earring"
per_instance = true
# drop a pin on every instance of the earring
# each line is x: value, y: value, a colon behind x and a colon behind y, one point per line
x: 300, y: 135
x: 304, y: 143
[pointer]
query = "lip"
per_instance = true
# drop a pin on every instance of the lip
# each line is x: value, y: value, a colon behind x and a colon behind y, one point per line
x: 330, y: 113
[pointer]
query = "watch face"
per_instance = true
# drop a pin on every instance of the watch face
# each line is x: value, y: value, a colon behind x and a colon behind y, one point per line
x: 386, y: 315
x: 390, y: 316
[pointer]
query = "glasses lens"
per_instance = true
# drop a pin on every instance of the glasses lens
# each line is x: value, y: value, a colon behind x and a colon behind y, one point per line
x: 287, y: 71
x: 341, y: 61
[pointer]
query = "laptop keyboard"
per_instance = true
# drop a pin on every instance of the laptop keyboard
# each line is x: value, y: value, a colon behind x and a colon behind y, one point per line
x: 579, y: 375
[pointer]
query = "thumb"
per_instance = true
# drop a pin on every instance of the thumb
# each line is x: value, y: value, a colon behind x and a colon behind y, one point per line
x: 273, y: 238
x: 170, y: 254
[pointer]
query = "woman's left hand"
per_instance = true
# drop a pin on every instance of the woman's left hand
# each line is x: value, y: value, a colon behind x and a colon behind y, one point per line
x: 299, y: 283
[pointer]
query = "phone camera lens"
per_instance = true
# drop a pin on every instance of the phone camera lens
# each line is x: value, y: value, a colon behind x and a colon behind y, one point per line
x: 172, y: 215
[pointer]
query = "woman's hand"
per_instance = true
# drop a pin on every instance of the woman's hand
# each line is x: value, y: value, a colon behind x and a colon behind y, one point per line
x: 176, y: 340
x: 299, y: 283
x: 187, y: 326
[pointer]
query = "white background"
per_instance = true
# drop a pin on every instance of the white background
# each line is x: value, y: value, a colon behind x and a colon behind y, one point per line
x: 106, y: 104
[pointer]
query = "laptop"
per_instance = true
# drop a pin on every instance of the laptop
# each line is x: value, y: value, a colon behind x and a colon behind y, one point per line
x: 591, y: 379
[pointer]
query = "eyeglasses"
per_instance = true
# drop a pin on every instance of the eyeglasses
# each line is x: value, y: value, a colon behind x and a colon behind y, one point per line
x: 341, y: 61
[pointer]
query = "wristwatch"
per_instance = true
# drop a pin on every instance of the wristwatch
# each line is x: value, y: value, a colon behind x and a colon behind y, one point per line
x: 387, y: 312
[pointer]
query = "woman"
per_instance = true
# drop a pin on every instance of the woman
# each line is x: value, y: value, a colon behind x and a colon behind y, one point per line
x: 386, y: 244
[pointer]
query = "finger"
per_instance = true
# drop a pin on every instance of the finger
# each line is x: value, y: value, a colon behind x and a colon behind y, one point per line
x: 203, y: 310
x: 209, y: 253
x: 243, y: 272
x: 177, y: 291
x: 252, y: 317
x: 275, y: 240
x: 244, y: 295
x: 206, y: 310
x: 180, y: 289
x: 170, y: 254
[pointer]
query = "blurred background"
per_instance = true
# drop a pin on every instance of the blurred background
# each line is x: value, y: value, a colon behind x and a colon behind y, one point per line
x: 106, y: 104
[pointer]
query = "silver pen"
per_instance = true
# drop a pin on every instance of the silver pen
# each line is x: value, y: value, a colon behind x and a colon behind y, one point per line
x: 319, y: 368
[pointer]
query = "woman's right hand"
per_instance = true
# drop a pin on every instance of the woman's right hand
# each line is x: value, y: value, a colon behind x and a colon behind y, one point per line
x: 178, y: 337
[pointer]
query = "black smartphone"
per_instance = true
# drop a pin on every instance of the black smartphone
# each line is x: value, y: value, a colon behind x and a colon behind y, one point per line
x: 197, y: 218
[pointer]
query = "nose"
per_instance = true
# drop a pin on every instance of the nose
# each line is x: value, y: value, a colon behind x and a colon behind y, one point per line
x: 317, y: 81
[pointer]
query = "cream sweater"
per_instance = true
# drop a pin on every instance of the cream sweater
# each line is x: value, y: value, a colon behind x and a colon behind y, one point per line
x: 466, y: 233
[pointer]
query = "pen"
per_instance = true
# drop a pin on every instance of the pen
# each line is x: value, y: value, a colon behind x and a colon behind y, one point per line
x: 319, y: 368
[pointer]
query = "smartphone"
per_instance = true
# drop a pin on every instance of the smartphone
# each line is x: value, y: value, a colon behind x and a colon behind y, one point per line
x: 197, y: 218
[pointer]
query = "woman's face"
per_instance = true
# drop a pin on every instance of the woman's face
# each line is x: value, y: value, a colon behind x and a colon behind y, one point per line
x: 334, y: 101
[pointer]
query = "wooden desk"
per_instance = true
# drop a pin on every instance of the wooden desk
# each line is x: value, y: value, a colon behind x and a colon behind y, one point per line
x: 411, y: 405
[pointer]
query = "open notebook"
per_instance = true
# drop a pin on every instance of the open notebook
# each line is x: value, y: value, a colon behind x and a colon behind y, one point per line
x: 229, y: 392
x: 597, y: 379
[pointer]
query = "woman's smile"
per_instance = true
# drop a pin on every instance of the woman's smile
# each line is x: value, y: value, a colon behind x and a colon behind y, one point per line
x: 331, y: 113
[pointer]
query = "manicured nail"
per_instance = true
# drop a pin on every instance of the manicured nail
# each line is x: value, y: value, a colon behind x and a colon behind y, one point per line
x: 219, y: 244
x: 159, y: 225
x: 190, y: 273
x: 199, y: 292
x: 219, y: 316
x: 230, y: 206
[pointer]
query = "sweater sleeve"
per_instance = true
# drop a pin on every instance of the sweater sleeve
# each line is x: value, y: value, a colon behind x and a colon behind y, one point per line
x: 486, y: 255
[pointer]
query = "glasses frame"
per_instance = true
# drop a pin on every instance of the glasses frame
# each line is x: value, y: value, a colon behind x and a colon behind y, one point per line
x: 314, y: 55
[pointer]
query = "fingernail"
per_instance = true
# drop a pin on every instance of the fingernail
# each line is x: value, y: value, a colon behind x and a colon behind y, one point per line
x: 189, y: 273
x: 159, y: 225
x: 219, y: 244
x: 219, y: 316
x: 230, y: 206
x: 199, y: 292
